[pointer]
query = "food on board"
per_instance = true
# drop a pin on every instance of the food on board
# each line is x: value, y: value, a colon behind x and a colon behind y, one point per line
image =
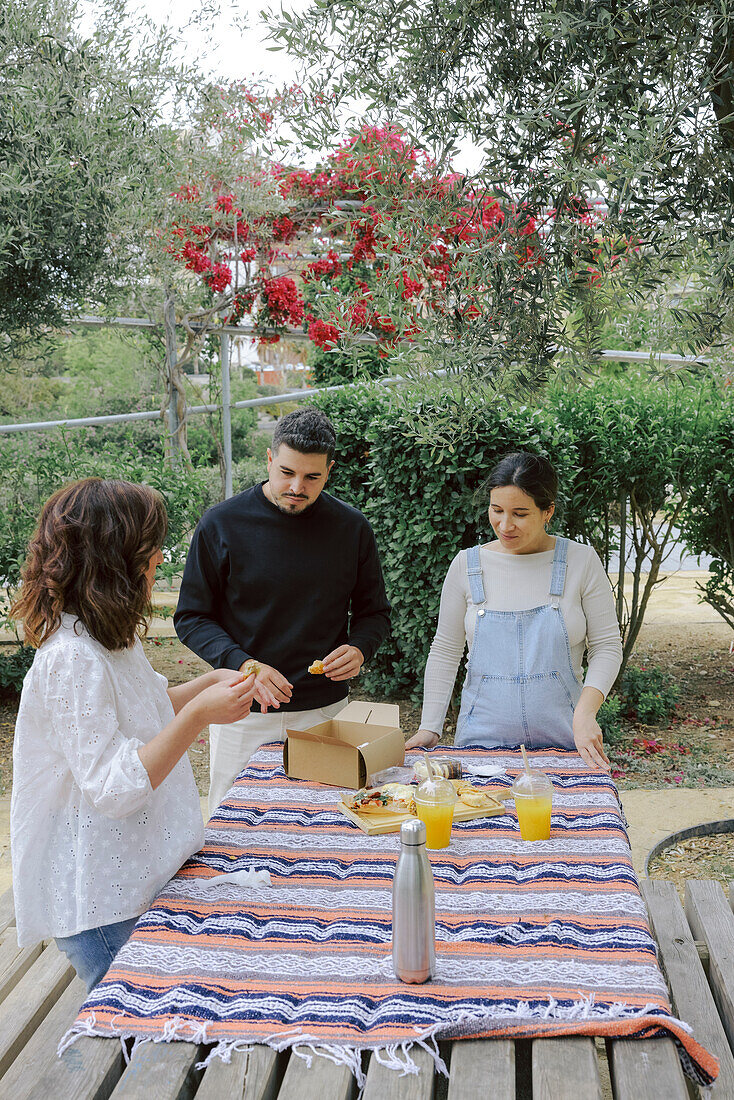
x: 474, y: 796
x: 399, y: 798
x: 250, y: 668
x: 392, y: 798
x: 316, y: 668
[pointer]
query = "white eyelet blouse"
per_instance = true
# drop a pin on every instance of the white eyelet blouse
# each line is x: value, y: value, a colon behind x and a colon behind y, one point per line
x: 92, y: 842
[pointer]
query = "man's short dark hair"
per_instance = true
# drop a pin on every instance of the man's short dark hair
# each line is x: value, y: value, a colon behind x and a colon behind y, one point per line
x: 306, y: 430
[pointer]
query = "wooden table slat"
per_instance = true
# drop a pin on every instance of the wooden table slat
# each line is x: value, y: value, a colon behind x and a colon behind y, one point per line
x: 14, y: 962
x: 7, y: 909
x: 482, y: 1067
x: 690, y: 993
x: 712, y: 920
x: 646, y: 1068
x: 88, y: 1070
x: 322, y: 1080
x: 248, y: 1076
x: 161, y: 1071
x: 387, y: 1084
x: 565, y: 1069
x: 30, y: 1002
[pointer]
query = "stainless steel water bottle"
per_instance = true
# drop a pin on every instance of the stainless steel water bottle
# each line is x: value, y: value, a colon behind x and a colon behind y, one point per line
x: 413, y: 908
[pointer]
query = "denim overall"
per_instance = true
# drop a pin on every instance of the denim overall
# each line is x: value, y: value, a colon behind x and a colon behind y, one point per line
x: 520, y: 685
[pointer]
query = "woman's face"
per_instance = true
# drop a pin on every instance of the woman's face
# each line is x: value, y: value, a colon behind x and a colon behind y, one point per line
x: 155, y: 560
x: 517, y: 521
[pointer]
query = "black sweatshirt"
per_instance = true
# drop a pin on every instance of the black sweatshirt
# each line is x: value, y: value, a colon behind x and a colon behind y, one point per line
x: 283, y: 589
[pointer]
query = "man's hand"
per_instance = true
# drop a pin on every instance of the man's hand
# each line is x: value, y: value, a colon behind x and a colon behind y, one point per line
x: 271, y: 687
x: 423, y: 739
x: 343, y: 663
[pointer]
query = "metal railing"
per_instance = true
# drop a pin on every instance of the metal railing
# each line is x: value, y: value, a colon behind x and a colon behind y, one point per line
x: 226, y: 332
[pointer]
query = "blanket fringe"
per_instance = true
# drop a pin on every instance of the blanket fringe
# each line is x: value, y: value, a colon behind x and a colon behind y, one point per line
x: 394, y: 1056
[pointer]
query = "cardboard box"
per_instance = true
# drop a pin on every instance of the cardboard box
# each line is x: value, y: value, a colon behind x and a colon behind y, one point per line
x: 343, y: 752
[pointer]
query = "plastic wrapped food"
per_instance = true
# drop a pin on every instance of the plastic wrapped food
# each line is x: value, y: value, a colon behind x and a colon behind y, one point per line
x: 442, y: 766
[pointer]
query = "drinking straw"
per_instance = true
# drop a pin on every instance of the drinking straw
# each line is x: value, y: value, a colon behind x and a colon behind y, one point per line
x: 526, y: 762
x: 429, y: 768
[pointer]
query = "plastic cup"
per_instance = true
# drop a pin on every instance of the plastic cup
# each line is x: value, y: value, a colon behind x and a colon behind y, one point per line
x: 533, y: 793
x: 434, y: 804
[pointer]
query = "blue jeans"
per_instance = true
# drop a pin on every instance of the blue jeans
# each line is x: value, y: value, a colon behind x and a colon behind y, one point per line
x: 91, y: 952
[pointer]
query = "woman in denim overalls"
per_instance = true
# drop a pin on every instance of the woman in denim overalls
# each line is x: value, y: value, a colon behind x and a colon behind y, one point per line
x: 521, y: 685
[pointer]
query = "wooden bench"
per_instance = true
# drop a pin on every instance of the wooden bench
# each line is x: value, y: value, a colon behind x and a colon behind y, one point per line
x: 40, y: 996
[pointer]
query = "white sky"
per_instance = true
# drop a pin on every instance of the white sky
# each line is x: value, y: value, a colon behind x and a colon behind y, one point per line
x: 235, y: 53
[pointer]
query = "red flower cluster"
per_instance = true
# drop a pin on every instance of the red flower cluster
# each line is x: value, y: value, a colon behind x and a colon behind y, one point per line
x: 329, y: 265
x: 218, y: 278
x: 284, y: 228
x: 283, y: 302
x: 322, y: 334
x: 194, y: 259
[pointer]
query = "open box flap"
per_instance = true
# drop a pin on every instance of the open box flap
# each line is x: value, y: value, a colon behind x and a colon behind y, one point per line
x: 380, y: 714
x: 385, y: 752
x: 321, y: 734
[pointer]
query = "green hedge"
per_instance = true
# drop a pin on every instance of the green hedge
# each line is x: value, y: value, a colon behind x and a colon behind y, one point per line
x: 607, y: 441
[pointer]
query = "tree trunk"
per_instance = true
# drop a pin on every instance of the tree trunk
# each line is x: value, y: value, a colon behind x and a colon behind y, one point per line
x: 174, y: 408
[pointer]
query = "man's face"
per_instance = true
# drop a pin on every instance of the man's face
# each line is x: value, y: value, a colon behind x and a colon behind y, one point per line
x: 295, y: 480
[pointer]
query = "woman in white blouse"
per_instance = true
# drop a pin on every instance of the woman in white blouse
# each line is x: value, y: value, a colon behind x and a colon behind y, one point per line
x: 104, y: 808
x: 529, y: 605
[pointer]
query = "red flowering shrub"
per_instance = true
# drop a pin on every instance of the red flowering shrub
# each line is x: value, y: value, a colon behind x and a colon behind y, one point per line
x: 255, y: 263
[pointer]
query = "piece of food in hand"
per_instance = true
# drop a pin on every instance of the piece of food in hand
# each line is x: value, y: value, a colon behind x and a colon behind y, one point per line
x: 250, y: 668
x: 316, y: 668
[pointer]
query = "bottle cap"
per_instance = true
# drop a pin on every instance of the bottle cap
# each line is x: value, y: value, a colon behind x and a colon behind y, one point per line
x: 413, y: 832
x: 532, y: 784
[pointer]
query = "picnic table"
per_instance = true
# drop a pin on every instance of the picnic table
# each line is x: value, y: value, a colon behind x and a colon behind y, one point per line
x: 40, y: 997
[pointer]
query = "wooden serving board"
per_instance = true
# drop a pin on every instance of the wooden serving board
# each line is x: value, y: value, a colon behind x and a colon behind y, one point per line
x: 376, y: 823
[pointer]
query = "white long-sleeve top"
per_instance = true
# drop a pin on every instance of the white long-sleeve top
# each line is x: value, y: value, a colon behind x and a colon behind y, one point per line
x: 92, y: 842
x: 519, y: 582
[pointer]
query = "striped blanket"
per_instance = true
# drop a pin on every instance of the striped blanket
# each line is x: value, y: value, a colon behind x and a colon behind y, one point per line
x: 533, y: 939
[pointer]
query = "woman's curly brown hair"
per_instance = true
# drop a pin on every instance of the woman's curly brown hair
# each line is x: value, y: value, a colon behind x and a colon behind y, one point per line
x: 88, y: 557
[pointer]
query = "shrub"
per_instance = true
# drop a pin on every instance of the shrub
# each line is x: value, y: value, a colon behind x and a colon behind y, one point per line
x: 31, y: 469
x: 610, y: 720
x: 707, y: 519
x: 418, y: 493
x: 13, y: 667
x: 649, y: 695
x: 411, y: 463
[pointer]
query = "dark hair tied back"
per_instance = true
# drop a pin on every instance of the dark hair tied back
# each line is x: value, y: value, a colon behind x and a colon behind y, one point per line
x: 531, y: 473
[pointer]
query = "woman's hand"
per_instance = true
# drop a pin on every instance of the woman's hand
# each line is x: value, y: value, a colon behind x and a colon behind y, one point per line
x: 589, y: 741
x: 227, y: 700
x: 423, y: 739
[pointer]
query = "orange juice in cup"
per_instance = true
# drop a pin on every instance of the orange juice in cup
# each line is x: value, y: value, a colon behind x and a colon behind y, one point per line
x: 434, y: 804
x: 533, y: 793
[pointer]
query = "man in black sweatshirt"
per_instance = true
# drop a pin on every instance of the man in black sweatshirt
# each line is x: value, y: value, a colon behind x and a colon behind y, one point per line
x: 287, y: 575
